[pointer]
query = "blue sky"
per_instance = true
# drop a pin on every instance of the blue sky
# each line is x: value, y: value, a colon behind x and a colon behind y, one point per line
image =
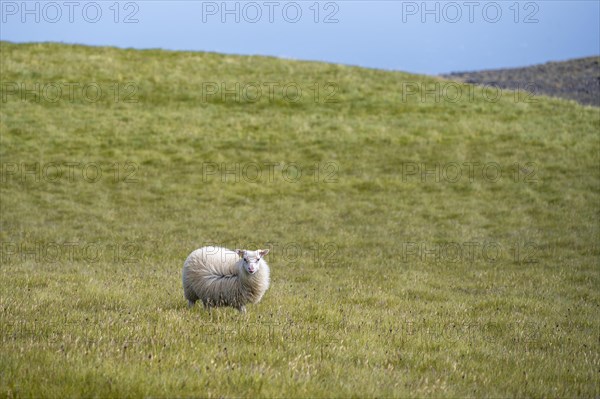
x: 423, y: 37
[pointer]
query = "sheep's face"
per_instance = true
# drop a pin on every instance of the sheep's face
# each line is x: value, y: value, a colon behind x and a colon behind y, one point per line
x: 252, y: 259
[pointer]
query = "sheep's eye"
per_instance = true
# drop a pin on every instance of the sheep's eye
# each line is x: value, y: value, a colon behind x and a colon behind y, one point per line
x: 246, y: 259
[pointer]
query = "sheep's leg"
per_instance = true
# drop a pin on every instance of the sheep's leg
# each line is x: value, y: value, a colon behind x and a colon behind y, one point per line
x: 242, y: 309
x: 191, y: 303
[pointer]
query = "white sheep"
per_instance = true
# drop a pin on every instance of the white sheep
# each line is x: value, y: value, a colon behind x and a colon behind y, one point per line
x: 218, y: 277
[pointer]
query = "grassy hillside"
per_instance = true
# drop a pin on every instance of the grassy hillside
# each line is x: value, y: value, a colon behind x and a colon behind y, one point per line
x: 403, y: 263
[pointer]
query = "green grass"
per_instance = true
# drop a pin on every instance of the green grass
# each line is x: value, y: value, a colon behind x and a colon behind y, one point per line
x: 91, y: 303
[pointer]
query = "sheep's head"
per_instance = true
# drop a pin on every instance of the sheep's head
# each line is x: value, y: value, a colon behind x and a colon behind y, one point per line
x: 251, y: 259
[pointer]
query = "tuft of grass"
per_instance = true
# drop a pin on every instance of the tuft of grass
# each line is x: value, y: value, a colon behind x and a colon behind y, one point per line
x: 391, y: 276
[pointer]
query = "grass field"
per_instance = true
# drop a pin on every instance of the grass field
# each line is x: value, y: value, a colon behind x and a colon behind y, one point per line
x: 422, y: 244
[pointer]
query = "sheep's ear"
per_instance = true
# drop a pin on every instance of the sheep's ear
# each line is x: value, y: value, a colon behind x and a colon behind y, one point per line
x: 240, y: 252
x: 263, y: 252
